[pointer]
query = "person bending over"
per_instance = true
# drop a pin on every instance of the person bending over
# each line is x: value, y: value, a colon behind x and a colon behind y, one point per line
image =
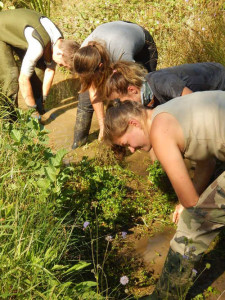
x: 108, y: 43
x: 39, y: 44
x: 130, y: 81
x: 194, y: 128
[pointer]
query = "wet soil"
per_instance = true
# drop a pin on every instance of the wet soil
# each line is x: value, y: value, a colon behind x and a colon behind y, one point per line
x: 59, y: 120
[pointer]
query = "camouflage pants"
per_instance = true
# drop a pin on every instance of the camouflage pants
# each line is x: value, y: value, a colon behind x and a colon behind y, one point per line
x: 199, y: 225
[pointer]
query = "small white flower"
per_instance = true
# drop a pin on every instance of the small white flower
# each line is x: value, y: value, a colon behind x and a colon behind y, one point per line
x: 109, y: 238
x: 124, y: 280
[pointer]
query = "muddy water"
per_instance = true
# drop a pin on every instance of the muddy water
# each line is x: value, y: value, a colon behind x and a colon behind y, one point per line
x: 153, y: 250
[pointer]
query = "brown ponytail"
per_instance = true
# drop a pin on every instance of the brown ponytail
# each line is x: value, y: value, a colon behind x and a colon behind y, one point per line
x: 91, y: 63
x: 123, y: 74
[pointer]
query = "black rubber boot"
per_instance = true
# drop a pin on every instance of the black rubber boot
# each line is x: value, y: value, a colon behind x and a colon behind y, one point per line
x: 82, y: 127
x: 83, y: 120
x: 176, y: 278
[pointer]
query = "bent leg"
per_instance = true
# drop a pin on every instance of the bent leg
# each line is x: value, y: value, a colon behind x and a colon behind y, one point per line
x: 83, y: 120
x: 199, y: 225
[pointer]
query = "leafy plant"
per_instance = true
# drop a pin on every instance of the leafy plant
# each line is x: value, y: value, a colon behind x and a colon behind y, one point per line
x: 159, y: 178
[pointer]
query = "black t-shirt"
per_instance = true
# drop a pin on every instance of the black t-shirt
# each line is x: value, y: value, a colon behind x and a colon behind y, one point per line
x: 169, y: 83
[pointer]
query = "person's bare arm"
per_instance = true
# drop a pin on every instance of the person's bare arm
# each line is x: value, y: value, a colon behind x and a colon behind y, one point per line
x: 26, y: 89
x: 47, y: 81
x: 186, y: 91
x: 167, y: 137
x: 203, y: 173
x: 152, y: 155
x: 98, y: 108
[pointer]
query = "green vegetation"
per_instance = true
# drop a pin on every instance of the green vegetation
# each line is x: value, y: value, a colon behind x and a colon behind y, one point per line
x: 63, y: 227
x: 46, y: 250
x: 185, y: 31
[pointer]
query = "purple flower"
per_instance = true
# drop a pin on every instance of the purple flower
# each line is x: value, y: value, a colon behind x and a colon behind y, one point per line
x: 124, y: 280
x: 185, y: 256
x: 192, y: 249
x: 109, y: 238
x: 124, y: 234
x: 86, y: 224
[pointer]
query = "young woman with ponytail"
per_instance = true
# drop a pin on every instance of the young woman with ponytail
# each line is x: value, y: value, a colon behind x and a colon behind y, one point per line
x: 192, y: 127
x: 108, y: 43
x: 130, y: 81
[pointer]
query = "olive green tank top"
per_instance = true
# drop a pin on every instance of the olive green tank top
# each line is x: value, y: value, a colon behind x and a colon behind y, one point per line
x: 13, y: 23
x: 201, y: 116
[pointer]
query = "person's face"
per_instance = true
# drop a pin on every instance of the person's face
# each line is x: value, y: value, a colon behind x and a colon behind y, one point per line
x: 133, y: 93
x: 57, y: 56
x: 134, y: 138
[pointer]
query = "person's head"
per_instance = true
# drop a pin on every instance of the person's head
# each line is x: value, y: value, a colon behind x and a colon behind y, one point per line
x: 91, y: 64
x: 125, y: 81
x: 63, y: 52
x: 126, y: 124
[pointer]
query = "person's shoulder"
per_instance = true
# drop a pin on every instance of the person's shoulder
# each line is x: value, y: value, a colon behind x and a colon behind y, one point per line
x: 160, y: 118
x: 164, y: 127
x: 158, y: 126
x: 155, y: 76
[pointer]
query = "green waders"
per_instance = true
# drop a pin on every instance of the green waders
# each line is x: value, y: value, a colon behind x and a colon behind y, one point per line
x: 9, y: 74
x: 8, y: 82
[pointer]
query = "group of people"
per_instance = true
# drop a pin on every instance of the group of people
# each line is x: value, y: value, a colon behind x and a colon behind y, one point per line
x: 177, y: 112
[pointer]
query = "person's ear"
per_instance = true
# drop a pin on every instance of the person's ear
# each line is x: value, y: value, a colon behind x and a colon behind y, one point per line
x: 100, y: 65
x: 134, y: 122
x: 59, y: 53
x: 132, y: 89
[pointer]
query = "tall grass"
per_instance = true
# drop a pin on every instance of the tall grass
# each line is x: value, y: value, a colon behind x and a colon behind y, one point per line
x: 34, y: 235
x: 184, y: 30
x: 42, y: 6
